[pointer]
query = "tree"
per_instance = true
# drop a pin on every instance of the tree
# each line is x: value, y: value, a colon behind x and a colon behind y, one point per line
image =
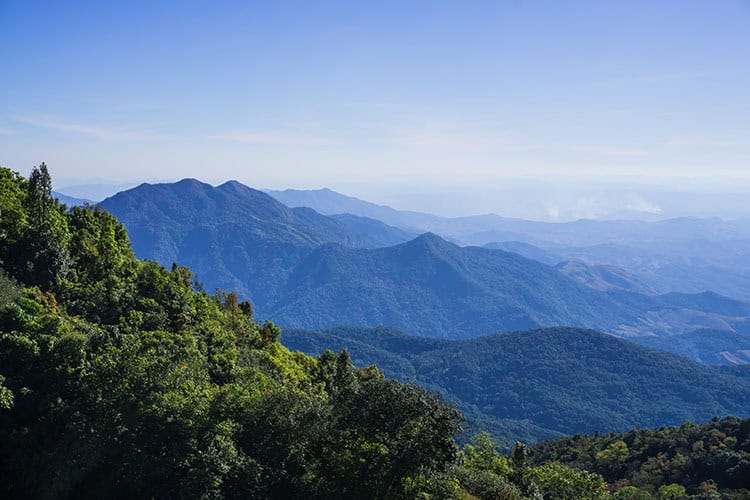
x: 558, y: 481
x: 42, y: 247
x: 481, y: 454
x: 614, y: 454
x: 671, y: 492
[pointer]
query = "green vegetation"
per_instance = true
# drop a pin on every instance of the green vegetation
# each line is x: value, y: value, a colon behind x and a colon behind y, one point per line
x: 708, y: 460
x: 120, y: 378
x: 539, y: 384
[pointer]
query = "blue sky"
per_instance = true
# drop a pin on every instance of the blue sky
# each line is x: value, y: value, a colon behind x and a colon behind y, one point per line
x: 356, y: 94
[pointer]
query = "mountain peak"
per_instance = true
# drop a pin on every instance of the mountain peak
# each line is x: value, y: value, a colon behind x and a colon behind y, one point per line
x: 188, y: 182
x: 429, y: 240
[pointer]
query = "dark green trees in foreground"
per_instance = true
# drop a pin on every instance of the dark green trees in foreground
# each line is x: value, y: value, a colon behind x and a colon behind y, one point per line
x: 120, y: 378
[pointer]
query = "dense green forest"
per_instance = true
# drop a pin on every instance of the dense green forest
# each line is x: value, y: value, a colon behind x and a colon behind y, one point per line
x: 537, y: 384
x: 708, y: 460
x: 120, y: 378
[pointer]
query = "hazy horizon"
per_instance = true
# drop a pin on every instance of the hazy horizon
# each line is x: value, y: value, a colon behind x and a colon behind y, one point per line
x: 517, y: 198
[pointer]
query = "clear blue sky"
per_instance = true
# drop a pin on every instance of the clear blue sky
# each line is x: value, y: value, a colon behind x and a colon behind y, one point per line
x: 313, y: 93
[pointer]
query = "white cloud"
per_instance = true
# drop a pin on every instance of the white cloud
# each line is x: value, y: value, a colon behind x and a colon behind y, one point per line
x: 275, y: 138
x: 97, y: 131
x: 5, y: 131
x: 642, y: 205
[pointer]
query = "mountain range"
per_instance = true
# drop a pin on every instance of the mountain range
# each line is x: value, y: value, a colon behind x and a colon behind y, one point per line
x: 232, y: 236
x: 307, y: 270
x: 687, y: 254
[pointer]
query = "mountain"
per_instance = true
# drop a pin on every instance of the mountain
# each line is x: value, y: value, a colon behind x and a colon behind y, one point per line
x: 307, y: 270
x: 687, y: 254
x: 711, y: 347
x: 560, y: 380
x: 71, y: 201
x: 432, y: 287
x: 602, y: 277
x: 232, y: 236
x: 489, y: 228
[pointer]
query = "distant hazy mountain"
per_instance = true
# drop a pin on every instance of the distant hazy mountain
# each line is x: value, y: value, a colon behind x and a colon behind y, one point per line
x: 689, y: 255
x: 307, y: 270
x: 527, y: 250
x: 602, y: 277
x: 557, y: 380
x: 720, y: 265
x: 483, y: 229
x: 711, y: 347
x: 329, y: 202
x: 232, y: 236
x: 70, y: 200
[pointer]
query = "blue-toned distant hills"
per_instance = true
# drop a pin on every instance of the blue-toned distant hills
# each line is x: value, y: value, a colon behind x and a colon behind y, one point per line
x: 308, y: 270
x: 686, y: 254
x: 71, y: 201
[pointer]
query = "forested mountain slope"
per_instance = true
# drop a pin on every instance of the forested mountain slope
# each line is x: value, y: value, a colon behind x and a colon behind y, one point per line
x: 307, y: 270
x: 561, y: 380
x: 232, y: 236
x: 708, y: 460
x: 434, y: 288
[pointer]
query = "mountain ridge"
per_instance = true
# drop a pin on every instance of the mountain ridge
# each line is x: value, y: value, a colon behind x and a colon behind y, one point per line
x: 286, y: 260
x: 566, y: 380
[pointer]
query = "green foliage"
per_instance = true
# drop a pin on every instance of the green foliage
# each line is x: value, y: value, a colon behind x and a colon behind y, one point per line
x: 671, y: 492
x: 119, y: 377
x: 9, y: 289
x: 558, y: 481
x: 482, y: 454
x: 700, y: 459
x: 631, y: 493
x: 539, y: 384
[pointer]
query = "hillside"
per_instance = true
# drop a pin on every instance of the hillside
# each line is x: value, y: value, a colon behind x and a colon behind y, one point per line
x: 711, y: 347
x: 532, y: 384
x: 602, y: 277
x: 431, y: 287
x: 378, y: 234
x: 709, y: 460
